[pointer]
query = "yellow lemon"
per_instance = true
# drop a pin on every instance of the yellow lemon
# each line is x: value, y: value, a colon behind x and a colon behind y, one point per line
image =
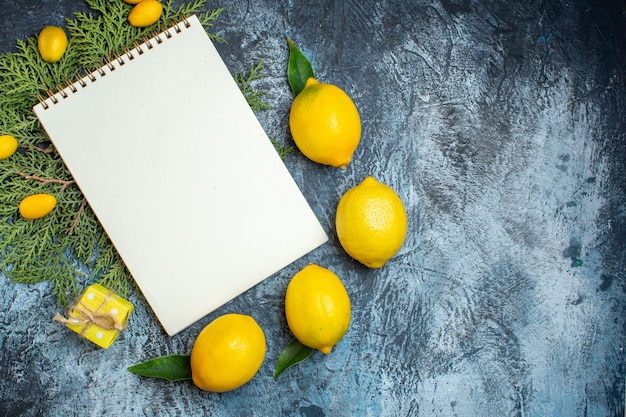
x: 371, y: 222
x: 37, y: 205
x: 52, y: 43
x: 325, y: 124
x: 317, y: 307
x: 145, y: 13
x: 8, y: 146
x: 227, y: 353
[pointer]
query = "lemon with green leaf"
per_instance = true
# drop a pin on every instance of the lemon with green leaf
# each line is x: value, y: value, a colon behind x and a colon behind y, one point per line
x: 317, y: 307
x: 325, y: 124
x: 227, y: 353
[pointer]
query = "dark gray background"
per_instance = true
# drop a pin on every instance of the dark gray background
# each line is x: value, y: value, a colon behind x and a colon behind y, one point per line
x: 501, y: 125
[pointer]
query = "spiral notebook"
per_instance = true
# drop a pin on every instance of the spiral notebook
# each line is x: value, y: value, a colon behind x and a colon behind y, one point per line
x: 180, y: 174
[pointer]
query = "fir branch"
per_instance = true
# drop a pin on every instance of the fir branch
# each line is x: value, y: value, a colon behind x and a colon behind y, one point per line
x: 110, y: 269
x: 64, y: 183
x: 283, y: 150
x: 41, y: 149
x: 68, y: 248
x: 205, y: 18
x: 77, y: 218
x: 254, y: 97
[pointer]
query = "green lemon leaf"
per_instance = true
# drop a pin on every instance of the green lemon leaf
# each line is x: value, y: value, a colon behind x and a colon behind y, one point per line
x: 172, y: 367
x: 299, y: 69
x: 294, y: 353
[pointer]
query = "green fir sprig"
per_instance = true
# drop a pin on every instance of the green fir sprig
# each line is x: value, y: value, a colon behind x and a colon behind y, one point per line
x: 254, y: 97
x: 68, y: 248
x: 256, y: 100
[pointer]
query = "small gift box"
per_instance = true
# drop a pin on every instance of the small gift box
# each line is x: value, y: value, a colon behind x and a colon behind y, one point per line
x: 99, y: 316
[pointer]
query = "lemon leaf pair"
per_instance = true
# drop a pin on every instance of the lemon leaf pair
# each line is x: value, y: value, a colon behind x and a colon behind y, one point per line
x: 178, y: 367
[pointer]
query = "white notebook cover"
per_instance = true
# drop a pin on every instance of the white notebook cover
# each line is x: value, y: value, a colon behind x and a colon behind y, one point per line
x: 181, y: 175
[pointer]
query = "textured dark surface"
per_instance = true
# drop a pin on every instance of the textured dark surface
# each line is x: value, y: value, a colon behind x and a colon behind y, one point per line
x: 501, y: 125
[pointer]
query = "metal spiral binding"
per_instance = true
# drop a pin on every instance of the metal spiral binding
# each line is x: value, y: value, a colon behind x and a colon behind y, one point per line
x: 112, y: 64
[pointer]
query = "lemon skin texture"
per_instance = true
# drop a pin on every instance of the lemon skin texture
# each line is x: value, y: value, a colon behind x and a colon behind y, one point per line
x: 325, y: 124
x: 52, y: 43
x: 317, y: 307
x: 145, y: 13
x: 371, y: 222
x: 8, y: 146
x: 227, y: 353
x: 37, y: 205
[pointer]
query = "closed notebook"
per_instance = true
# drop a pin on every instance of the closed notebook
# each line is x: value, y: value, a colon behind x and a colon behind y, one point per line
x: 180, y: 174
